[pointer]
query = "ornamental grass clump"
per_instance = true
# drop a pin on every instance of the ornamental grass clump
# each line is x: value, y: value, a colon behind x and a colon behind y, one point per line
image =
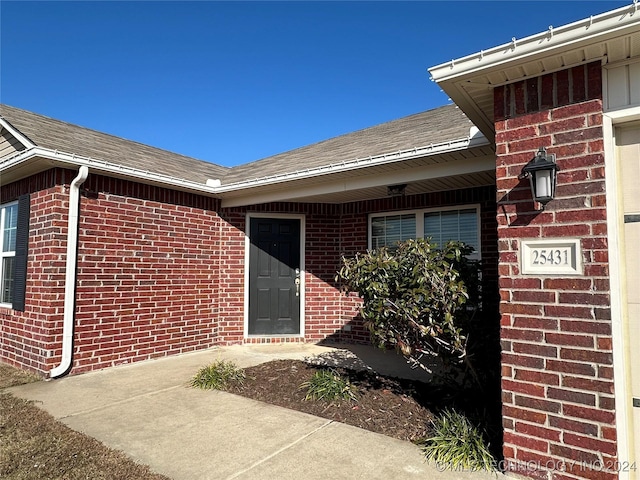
x: 328, y: 384
x: 218, y: 376
x: 457, y: 444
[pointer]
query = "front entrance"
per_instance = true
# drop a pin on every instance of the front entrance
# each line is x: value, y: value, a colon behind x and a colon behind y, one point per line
x: 628, y: 156
x: 274, y: 276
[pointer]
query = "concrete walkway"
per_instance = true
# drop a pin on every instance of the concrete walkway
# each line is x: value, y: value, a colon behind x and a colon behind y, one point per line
x: 147, y: 411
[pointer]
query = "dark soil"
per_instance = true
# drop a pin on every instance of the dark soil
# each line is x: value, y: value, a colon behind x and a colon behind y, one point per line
x: 384, y: 405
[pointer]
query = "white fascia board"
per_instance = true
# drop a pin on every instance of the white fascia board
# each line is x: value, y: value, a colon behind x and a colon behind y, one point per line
x: 425, y: 172
x: 596, y: 28
x: 474, y: 140
x: 66, y: 159
x: 16, y: 133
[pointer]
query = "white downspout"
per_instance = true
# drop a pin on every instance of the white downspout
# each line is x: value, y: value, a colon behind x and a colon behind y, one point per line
x: 70, y: 274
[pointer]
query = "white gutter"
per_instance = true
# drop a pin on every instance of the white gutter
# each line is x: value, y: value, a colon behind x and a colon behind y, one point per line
x: 100, y: 166
x: 474, y: 139
x: 70, y: 274
x: 306, y: 193
x: 594, y: 28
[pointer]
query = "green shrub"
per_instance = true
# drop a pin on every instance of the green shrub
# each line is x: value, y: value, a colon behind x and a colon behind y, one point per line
x: 457, y: 443
x: 417, y: 298
x: 327, y: 384
x: 218, y: 375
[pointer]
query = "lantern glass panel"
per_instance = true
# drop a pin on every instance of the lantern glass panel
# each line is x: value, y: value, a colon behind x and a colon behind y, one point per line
x: 543, y: 183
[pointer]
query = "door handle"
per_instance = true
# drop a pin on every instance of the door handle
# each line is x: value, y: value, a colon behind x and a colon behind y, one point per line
x: 297, y: 282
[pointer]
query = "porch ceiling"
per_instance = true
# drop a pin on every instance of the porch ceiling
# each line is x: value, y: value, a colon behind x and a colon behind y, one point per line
x: 423, y: 186
x: 469, y: 81
x: 452, y: 171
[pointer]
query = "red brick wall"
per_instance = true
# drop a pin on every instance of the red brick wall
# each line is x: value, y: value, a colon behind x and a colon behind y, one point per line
x: 354, y: 238
x: 231, y: 277
x: 557, y: 377
x: 323, y: 301
x: 146, y: 276
x: 28, y: 339
x: 147, y: 267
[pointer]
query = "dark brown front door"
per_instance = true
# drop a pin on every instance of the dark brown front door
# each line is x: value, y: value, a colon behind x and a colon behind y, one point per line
x: 274, y: 276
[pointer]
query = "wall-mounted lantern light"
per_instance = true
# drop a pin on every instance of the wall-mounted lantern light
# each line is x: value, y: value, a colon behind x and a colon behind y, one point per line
x: 541, y: 171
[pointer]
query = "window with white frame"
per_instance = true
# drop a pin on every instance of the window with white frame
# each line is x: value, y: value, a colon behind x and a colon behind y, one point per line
x: 441, y: 225
x: 8, y: 231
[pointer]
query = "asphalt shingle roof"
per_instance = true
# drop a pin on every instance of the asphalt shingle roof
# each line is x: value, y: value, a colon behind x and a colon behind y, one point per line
x: 419, y: 130
x: 58, y: 135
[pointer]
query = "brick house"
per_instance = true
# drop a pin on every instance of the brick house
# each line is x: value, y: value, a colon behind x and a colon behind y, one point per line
x: 113, y: 251
x: 170, y: 252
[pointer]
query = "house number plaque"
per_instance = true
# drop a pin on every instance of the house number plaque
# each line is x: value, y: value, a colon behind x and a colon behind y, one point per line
x: 551, y: 256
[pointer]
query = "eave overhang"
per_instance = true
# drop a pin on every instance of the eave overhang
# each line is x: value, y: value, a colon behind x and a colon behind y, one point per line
x: 469, y: 81
x: 368, y: 178
x: 38, y: 159
x: 359, y: 178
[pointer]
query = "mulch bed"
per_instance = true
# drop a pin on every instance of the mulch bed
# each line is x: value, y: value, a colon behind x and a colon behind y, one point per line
x: 389, y: 406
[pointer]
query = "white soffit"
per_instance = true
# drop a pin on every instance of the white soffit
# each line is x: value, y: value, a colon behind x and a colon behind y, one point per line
x: 469, y: 81
x: 345, y: 186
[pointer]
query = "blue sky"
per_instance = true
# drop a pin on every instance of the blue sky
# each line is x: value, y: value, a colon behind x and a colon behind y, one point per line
x: 233, y: 82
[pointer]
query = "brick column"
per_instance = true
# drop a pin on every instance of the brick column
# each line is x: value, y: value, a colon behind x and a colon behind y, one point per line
x: 557, y: 375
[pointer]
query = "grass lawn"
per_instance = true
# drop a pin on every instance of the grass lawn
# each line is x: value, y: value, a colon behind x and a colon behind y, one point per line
x: 33, y: 445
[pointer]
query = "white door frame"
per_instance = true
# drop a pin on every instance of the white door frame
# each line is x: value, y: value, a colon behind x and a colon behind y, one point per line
x: 247, y: 248
x: 621, y: 370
